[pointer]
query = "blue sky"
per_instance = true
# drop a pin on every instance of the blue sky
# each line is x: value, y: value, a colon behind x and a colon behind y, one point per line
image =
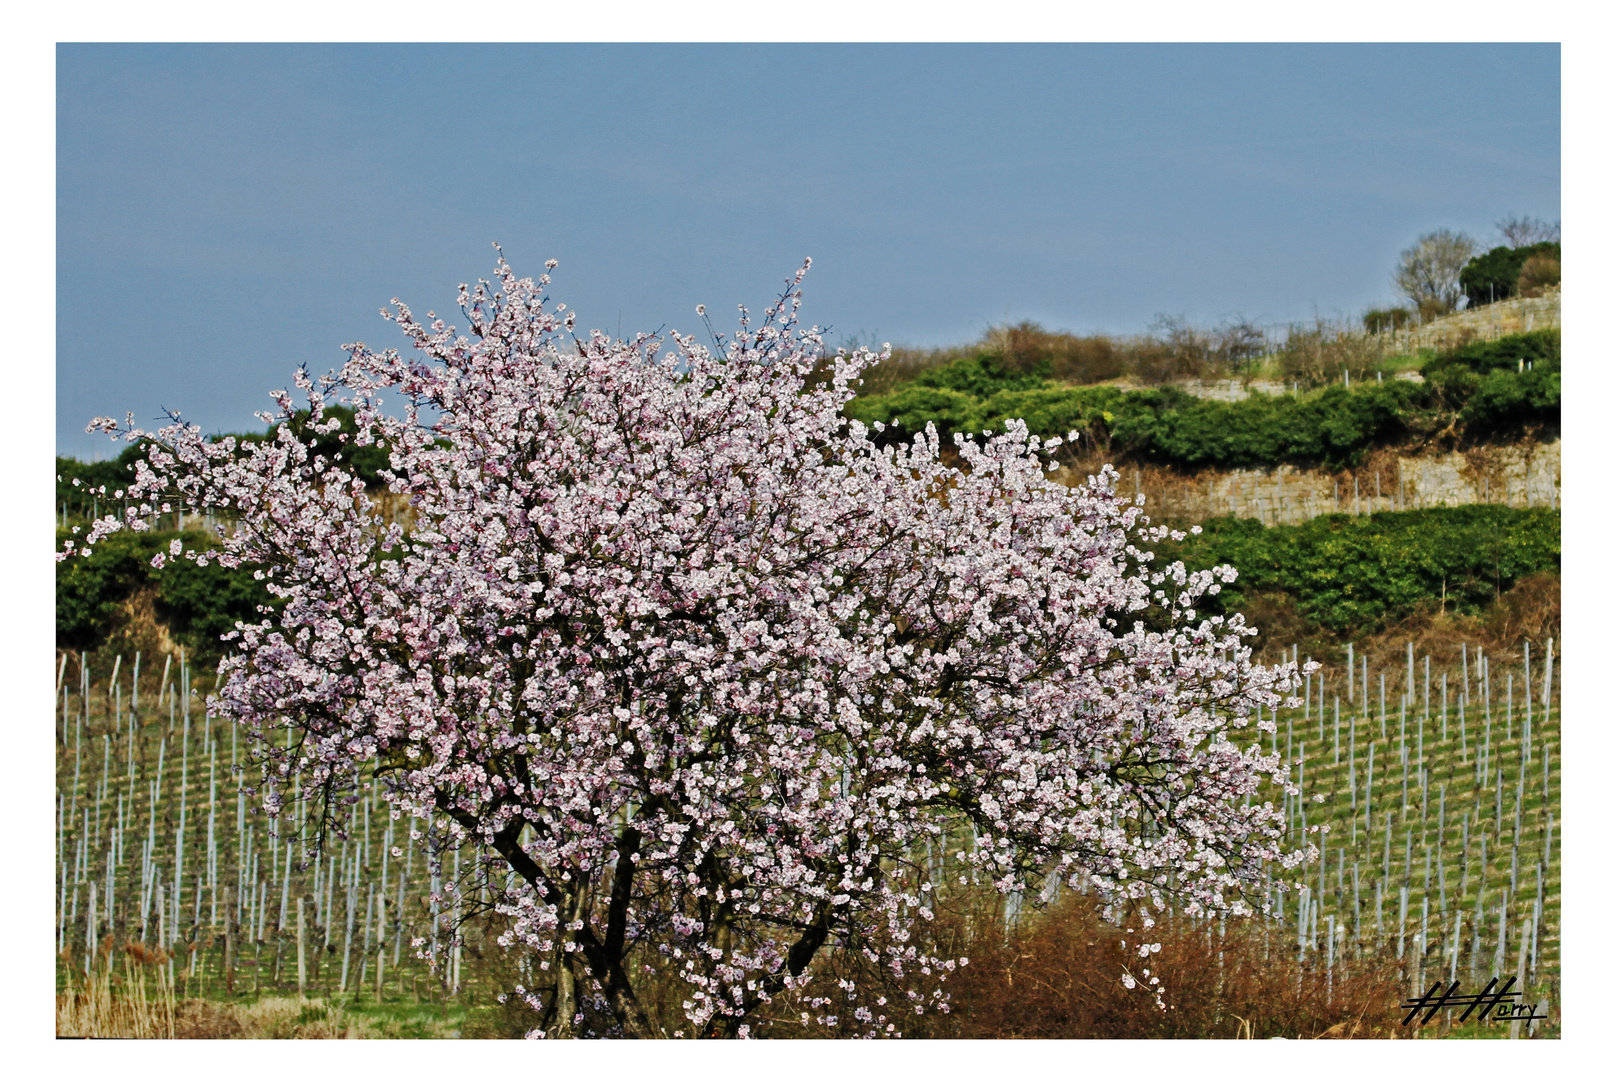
x: 225, y: 213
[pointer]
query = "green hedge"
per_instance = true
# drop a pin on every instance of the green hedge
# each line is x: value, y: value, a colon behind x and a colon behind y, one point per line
x: 1353, y: 575
x: 1474, y: 393
x: 195, y: 603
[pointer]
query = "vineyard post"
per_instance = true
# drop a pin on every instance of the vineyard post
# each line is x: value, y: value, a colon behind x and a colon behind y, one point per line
x: 1371, y: 747
x: 1535, y: 937
x: 90, y: 930
x: 1411, y: 690
x: 1501, y: 933
x: 382, y: 938
x: 365, y: 942
x: 1524, y: 949
x: 1546, y: 684
x: 1465, y: 673
x: 303, y: 976
x: 230, y: 940
x: 1444, y: 733
x: 1383, y: 712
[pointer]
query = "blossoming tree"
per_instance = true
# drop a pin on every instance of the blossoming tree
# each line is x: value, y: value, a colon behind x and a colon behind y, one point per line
x: 704, y: 675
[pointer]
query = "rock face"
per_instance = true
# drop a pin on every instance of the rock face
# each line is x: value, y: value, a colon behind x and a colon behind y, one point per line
x: 1525, y: 474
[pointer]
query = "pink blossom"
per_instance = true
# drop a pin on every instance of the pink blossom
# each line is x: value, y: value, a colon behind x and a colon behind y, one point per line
x: 705, y: 669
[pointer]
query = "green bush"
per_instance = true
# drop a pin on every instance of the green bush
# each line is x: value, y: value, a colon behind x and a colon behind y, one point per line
x: 1508, y: 403
x: 196, y: 603
x: 1542, y: 348
x: 1495, y: 274
x: 1334, y: 428
x: 983, y: 375
x: 1378, y: 320
x: 1355, y: 575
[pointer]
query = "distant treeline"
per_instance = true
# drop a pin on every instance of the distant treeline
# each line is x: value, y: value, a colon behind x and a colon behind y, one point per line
x: 1485, y: 391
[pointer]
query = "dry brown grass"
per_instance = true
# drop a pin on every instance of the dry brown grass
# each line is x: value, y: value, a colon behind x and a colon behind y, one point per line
x: 138, y: 1002
x: 267, y: 1018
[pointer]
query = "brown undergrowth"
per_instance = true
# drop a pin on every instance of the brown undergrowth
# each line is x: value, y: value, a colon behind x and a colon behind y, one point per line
x: 1060, y: 975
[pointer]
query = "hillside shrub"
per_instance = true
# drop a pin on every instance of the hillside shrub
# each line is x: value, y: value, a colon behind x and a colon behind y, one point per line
x: 195, y: 604
x: 1540, y: 273
x: 1472, y: 393
x: 1320, y: 353
x: 1353, y: 575
x: 1508, y: 386
x: 1509, y: 403
x: 1380, y: 320
x: 1495, y: 274
x: 1540, y: 348
x: 1334, y: 428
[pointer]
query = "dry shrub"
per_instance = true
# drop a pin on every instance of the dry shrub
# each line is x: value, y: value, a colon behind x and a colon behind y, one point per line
x: 1280, y: 628
x: 1539, y: 273
x: 1027, y: 348
x: 292, y: 1018
x: 136, y: 628
x: 1319, y: 354
x: 1532, y: 609
x: 1155, y: 363
x: 197, y: 1018
x: 1061, y: 975
x: 1091, y: 359
x: 139, y: 1003
x: 903, y: 365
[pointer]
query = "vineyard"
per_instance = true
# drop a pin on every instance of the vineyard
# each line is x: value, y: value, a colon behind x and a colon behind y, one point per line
x: 1431, y: 790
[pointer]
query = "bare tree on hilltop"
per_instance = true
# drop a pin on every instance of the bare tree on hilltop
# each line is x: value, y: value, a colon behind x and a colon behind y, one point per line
x: 1427, y: 272
x: 1524, y: 231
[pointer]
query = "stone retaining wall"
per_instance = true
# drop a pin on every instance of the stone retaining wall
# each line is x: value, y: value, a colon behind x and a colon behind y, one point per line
x: 1520, y: 475
x: 1517, y: 316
